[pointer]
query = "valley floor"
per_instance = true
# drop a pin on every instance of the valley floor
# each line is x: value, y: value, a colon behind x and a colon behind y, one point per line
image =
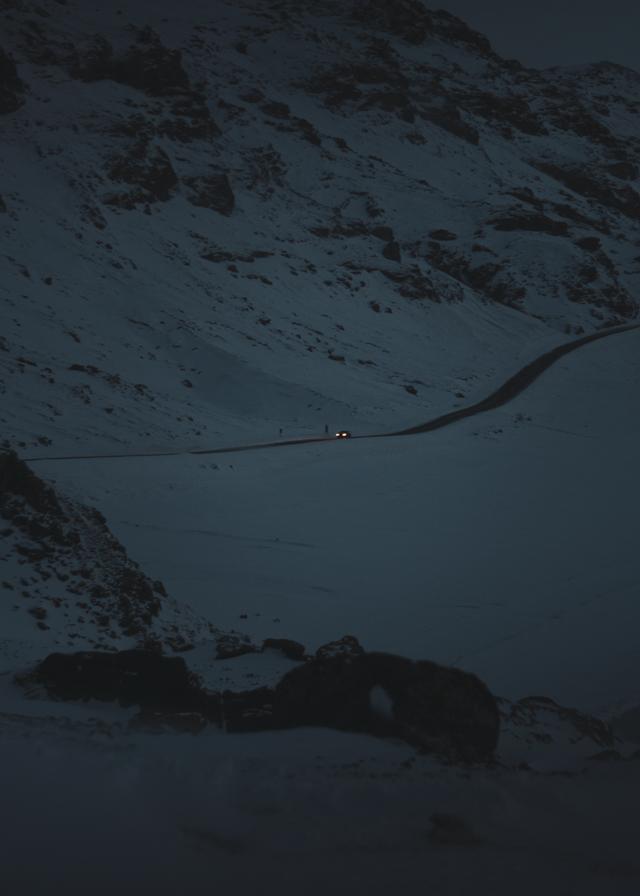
x: 505, y: 544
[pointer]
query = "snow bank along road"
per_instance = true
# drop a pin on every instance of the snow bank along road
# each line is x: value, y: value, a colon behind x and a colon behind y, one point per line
x: 505, y: 393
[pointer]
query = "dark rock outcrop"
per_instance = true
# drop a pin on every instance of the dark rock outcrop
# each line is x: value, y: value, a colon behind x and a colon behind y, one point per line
x: 489, y: 279
x: 521, y: 220
x: 407, y: 19
x: 93, y: 60
x: 436, y: 708
x: 413, y: 22
x: 232, y: 644
x: 148, y: 169
x: 147, y: 65
x: 444, y: 113
x: 211, y: 191
x: 12, y: 88
x: 128, y: 677
x: 593, y: 185
x: 442, y: 235
x: 18, y: 481
x: 293, y: 650
x: 392, y: 251
x: 504, y: 112
x: 525, y: 718
x: 347, y: 646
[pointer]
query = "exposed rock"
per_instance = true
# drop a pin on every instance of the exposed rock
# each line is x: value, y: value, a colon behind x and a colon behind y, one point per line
x: 211, y: 191
x: 152, y: 67
x: 451, y: 28
x: 146, y: 65
x: 529, y: 719
x: 442, y: 235
x: 93, y: 60
x: 625, y: 170
x: 232, y: 644
x: 571, y: 115
x: 586, y: 287
x: 439, y: 709
x: 519, y: 220
x: 293, y: 650
x: 593, y: 185
x: 392, y: 251
x: 191, y: 119
x: 505, y: 111
x: 345, y: 646
x: 489, y: 279
x: 444, y: 113
x: 382, y: 232
x: 128, y: 677
x: 413, y: 283
x: 351, y: 84
x: 12, y: 89
x: 146, y: 167
x: 391, y: 101
x: 589, y: 243
x: 17, y: 480
x: 276, y: 110
x: 405, y: 18
x: 410, y: 20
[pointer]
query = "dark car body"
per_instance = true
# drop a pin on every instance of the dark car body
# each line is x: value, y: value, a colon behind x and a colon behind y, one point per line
x: 343, y: 434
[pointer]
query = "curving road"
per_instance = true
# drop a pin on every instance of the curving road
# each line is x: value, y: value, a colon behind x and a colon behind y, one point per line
x: 505, y: 393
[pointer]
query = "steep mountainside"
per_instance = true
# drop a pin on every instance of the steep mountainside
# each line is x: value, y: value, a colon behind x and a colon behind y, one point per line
x: 224, y: 219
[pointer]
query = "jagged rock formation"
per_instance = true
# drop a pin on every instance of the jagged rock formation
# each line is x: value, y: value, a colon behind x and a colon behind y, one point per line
x: 434, y: 707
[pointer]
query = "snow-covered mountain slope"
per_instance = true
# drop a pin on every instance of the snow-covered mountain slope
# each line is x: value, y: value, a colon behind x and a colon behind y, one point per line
x: 67, y: 581
x: 222, y: 219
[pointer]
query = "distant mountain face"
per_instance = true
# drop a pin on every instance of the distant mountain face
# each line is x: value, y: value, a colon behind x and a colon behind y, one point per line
x: 215, y: 214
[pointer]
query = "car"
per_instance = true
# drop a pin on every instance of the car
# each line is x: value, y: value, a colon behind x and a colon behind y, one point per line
x: 343, y: 434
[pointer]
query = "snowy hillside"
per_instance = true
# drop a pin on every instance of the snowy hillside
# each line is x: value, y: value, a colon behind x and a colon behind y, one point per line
x: 225, y: 219
x: 66, y: 580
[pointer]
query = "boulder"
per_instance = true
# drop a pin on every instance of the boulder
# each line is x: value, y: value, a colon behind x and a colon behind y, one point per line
x: 130, y: 677
x: 392, y: 251
x: 293, y: 650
